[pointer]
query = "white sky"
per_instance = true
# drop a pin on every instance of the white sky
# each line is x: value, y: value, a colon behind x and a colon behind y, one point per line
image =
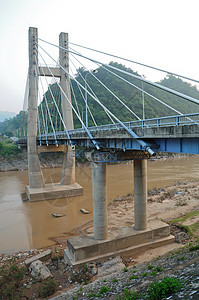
x: 161, y: 33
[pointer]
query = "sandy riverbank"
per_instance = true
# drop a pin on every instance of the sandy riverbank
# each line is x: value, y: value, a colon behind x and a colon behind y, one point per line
x: 164, y: 204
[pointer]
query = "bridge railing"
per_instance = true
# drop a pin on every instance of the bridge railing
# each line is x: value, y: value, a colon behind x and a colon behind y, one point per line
x: 186, y: 119
x: 176, y: 120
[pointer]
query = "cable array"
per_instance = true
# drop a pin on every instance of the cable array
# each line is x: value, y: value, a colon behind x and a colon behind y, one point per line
x: 96, y: 96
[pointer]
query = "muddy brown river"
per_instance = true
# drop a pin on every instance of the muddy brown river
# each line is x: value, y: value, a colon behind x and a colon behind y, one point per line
x: 26, y: 225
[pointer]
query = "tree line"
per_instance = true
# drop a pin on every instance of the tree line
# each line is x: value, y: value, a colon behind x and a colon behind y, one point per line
x: 120, y: 91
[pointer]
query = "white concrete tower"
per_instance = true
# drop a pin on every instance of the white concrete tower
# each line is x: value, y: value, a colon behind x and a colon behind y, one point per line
x: 68, y: 171
x: 35, y: 175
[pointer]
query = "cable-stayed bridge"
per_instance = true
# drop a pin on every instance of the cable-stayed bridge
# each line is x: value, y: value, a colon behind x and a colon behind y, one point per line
x: 52, y: 129
x: 80, y: 89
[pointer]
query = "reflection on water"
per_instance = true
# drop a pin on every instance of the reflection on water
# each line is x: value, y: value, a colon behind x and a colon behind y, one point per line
x: 26, y: 225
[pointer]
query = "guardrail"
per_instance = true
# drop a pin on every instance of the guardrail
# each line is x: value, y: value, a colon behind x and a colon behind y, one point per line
x: 186, y: 119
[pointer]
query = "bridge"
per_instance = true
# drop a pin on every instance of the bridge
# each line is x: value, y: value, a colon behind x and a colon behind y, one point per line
x: 59, y: 94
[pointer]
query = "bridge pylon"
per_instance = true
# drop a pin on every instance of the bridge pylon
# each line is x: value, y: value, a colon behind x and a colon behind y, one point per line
x: 37, y: 189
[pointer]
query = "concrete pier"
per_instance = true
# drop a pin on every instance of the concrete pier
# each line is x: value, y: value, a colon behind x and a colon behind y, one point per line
x: 140, y: 194
x: 99, y: 201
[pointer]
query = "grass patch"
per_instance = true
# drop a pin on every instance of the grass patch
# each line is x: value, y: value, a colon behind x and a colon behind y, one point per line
x: 193, y: 248
x: 181, y: 258
x: 185, y: 217
x: 194, y: 227
x: 133, y: 277
x: 154, y: 273
x: 130, y: 295
x: 104, y: 289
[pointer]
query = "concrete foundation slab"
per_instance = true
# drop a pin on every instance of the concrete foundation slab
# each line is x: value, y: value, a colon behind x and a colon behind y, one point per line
x: 54, y: 191
x: 120, y: 241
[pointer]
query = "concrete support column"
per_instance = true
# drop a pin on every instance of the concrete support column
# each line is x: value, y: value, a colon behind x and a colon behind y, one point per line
x: 68, y: 170
x: 99, y: 201
x: 140, y: 194
x: 35, y: 175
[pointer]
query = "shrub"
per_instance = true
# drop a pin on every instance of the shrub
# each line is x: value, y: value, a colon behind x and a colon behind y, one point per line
x: 150, y: 267
x: 158, y: 269
x: 11, y: 276
x: 166, y: 287
x: 104, y: 289
x: 193, y: 248
x: 47, y: 289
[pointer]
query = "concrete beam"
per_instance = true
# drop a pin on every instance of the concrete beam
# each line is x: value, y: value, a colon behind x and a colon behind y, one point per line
x: 44, y: 71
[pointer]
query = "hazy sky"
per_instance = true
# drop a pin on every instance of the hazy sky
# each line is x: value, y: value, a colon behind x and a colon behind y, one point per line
x: 162, y: 33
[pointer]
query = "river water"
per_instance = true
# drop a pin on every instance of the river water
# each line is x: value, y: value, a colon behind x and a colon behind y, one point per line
x: 26, y: 225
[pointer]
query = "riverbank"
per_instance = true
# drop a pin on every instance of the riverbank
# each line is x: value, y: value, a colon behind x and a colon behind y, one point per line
x: 176, y: 204
x: 19, y: 162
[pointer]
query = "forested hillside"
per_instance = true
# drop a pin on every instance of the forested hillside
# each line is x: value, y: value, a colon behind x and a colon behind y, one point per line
x: 131, y: 96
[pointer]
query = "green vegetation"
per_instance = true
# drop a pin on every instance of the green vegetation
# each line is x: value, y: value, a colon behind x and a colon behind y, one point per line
x: 193, y: 248
x: 115, y: 280
x: 7, y: 149
x: 154, y: 273
x: 129, y: 295
x: 127, y: 93
x: 181, y: 258
x: 47, y: 289
x: 11, y: 280
x: 157, y: 290
x: 166, y: 287
x: 150, y: 267
x: 125, y: 269
x: 104, y: 289
x: 81, y: 274
x: 133, y: 277
x: 190, y: 229
x: 158, y: 269
x: 185, y: 217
